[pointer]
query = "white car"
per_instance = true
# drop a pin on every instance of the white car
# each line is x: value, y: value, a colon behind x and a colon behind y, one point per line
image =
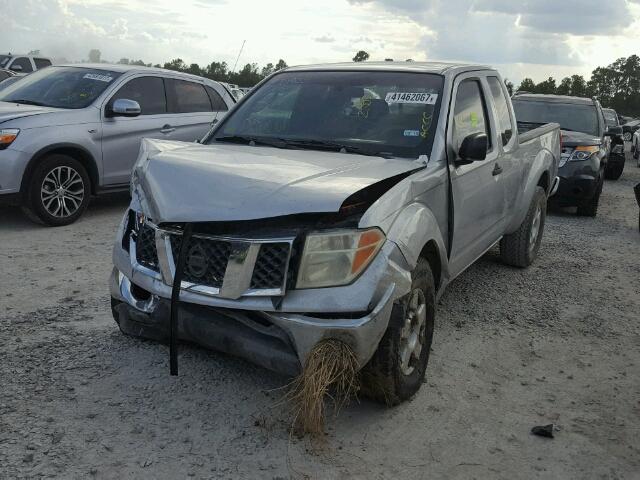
x: 24, y: 64
x: 635, y: 145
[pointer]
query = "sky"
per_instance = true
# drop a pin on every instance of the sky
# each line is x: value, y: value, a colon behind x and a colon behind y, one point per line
x: 522, y: 38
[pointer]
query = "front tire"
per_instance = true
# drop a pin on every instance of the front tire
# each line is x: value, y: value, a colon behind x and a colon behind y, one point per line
x: 58, y: 192
x: 613, y: 172
x: 590, y: 207
x: 396, y: 370
x: 520, y: 248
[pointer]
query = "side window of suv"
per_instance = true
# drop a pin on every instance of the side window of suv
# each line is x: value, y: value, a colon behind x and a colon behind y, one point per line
x: 147, y: 91
x: 24, y: 62
x: 502, y: 108
x: 470, y: 113
x: 187, y: 97
x: 216, y: 100
x: 42, y: 63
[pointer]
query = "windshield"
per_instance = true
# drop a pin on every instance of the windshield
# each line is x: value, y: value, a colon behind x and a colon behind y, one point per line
x: 610, y: 117
x: 364, y: 112
x: 60, y: 87
x: 4, y: 59
x: 577, y: 118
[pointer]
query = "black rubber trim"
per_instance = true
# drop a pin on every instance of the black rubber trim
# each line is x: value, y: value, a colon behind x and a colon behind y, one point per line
x: 175, y: 300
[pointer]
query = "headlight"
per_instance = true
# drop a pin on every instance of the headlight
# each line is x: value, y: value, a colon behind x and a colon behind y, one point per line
x: 337, y: 258
x: 583, y: 153
x: 7, y: 136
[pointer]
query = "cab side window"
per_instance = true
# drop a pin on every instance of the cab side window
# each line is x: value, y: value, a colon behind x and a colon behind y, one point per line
x: 187, y: 97
x: 147, y: 91
x: 24, y: 62
x: 470, y: 113
x: 502, y: 107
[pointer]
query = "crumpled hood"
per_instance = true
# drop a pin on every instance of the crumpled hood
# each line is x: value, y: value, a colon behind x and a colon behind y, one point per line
x: 573, y: 139
x: 12, y: 111
x: 182, y: 182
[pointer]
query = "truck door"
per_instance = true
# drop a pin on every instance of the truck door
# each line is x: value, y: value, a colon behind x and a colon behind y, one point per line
x: 477, y: 187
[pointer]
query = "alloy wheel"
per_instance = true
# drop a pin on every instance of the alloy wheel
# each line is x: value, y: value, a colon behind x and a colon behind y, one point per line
x: 62, y: 192
x: 412, y: 336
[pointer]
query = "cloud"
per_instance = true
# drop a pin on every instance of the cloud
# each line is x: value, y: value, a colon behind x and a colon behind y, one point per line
x: 324, y: 39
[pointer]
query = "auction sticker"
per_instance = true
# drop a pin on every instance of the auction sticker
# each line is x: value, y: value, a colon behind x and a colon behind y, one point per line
x: 100, y: 78
x: 412, y: 133
x: 411, y: 97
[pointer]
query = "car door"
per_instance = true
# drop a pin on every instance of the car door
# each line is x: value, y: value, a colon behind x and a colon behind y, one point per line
x: 121, y: 136
x: 191, y: 108
x: 511, y: 164
x: 477, y: 187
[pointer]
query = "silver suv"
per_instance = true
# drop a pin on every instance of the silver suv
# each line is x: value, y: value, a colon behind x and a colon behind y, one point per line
x: 24, y: 64
x: 67, y: 132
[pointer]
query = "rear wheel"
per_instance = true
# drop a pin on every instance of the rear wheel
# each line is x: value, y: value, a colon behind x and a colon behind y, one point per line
x: 396, y: 370
x: 58, y: 191
x: 520, y: 248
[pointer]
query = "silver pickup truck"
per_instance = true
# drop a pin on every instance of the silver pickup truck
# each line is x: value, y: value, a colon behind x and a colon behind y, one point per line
x: 334, y: 202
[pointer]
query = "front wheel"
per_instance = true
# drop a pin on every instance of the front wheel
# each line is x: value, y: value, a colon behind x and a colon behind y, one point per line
x: 396, y: 370
x: 589, y: 208
x: 613, y: 172
x: 520, y: 248
x: 58, y: 191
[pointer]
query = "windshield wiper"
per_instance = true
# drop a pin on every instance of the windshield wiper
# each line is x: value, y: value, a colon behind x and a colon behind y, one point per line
x: 245, y: 139
x: 28, y: 102
x: 323, y: 144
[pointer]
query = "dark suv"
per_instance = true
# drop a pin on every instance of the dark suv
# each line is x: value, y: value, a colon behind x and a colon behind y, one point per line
x: 586, y: 141
x: 615, y: 166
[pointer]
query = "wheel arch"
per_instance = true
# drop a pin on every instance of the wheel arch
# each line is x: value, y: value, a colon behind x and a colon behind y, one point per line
x: 72, y: 150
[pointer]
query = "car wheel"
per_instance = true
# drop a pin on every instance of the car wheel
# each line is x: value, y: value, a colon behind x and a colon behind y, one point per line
x: 520, y: 248
x: 58, y: 191
x: 627, y: 136
x: 613, y: 172
x: 396, y: 370
x: 590, y: 207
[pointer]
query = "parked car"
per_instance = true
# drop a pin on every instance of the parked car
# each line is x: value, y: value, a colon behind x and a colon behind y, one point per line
x: 23, y: 64
x: 615, y: 163
x: 314, y: 211
x: 67, y: 132
x: 585, y: 139
x: 628, y: 129
x: 635, y: 147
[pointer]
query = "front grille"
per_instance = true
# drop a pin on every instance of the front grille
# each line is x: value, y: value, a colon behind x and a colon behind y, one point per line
x: 206, y: 260
x: 271, y: 266
x: 146, y: 253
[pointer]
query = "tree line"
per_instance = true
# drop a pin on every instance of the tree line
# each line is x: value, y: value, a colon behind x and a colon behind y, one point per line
x: 616, y: 86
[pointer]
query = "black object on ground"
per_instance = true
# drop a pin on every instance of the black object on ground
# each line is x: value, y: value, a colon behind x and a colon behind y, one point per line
x: 543, y: 431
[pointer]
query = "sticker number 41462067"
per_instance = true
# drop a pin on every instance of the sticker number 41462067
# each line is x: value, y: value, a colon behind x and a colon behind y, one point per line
x: 411, y: 97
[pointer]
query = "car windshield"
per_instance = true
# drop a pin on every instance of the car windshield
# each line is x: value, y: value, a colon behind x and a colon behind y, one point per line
x: 4, y: 59
x: 570, y: 116
x: 60, y: 87
x: 611, y: 118
x: 375, y: 113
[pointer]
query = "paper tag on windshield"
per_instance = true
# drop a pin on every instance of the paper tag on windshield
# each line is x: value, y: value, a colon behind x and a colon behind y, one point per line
x: 411, y: 97
x: 100, y: 78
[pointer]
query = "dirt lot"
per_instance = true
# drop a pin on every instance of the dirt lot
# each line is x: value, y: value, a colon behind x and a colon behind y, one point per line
x: 557, y: 343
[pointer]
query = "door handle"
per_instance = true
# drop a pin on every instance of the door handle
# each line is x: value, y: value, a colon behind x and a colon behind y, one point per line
x: 497, y: 170
x: 167, y: 129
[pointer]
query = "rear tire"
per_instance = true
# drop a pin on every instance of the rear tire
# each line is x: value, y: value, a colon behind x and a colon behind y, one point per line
x: 396, y: 370
x: 590, y: 207
x: 58, y: 191
x: 520, y: 248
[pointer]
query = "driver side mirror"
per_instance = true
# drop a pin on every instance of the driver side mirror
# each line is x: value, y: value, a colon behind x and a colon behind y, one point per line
x: 474, y: 148
x: 16, y: 68
x: 613, y: 131
x: 123, y: 107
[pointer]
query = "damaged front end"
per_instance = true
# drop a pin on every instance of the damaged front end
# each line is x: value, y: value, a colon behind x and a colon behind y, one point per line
x: 265, y: 289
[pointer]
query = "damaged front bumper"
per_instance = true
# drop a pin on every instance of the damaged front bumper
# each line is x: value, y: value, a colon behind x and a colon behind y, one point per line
x: 278, y: 335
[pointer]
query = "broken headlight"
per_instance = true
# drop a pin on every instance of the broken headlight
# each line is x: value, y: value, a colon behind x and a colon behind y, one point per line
x: 337, y: 258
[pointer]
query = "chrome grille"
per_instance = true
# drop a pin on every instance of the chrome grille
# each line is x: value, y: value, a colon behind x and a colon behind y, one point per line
x: 206, y: 261
x: 270, y: 268
x: 146, y: 253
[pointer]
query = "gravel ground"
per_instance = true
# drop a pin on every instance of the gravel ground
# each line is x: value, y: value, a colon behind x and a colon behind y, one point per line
x: 557, y: 343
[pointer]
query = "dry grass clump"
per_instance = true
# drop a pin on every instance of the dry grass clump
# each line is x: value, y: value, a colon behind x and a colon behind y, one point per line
x: 331, y: 371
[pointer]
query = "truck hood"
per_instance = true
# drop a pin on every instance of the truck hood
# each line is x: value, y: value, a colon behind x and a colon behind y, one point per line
x: 12, y: 111
x: 574, y: 139
x: 182, y: 182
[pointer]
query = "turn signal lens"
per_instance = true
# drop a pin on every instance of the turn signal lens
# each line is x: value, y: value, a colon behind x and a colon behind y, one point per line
x: 337, y: 258
x: 7, y: 136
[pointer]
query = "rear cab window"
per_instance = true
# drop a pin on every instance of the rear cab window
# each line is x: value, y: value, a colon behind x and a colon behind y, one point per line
x: 571, y: 116
x: 42, y: 63
x: 505, y: 125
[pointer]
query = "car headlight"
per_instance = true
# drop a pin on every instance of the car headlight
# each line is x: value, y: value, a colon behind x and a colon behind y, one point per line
x: 583, y: 153
x: 7, y: 136
x: 337, y: 258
